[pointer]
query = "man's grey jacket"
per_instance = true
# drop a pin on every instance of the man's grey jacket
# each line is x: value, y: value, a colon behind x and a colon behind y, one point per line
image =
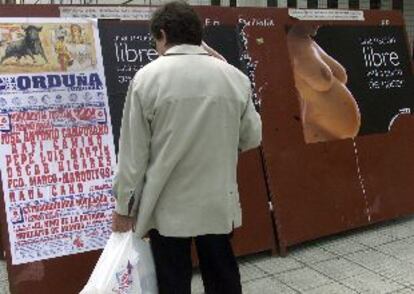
x: 186, y: 117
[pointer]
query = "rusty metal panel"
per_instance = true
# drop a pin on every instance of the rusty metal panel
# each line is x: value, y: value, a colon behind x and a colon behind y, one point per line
x: 256, y: 233
x: 40, y: 10
x: 324, y: 188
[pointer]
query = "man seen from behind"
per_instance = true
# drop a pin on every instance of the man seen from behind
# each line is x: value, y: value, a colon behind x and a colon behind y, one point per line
x: 186, y: 117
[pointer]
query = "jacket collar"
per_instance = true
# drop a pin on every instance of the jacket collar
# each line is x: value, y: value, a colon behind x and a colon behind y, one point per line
x: 185, y: 49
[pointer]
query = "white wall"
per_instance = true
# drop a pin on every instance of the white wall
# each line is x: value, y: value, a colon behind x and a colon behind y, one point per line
x: 302, y: 4
x: 282, y: 3
x: 322, y: 3
x: 386, y: 4
x: 134, y: 2
x: 343, y: 4
x: 364, y: 4
x: 252, y: 3
x: 409, y: 19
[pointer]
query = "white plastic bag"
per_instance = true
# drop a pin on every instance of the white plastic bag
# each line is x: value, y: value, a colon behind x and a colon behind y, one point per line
x: 126, y: 266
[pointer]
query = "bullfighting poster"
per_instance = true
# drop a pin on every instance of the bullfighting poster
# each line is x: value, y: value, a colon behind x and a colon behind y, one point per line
x: 57, y: 156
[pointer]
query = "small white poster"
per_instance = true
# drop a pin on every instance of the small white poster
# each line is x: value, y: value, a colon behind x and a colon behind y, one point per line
x: 56, y: 145
x: 327, y: 14
x: 106, y: 12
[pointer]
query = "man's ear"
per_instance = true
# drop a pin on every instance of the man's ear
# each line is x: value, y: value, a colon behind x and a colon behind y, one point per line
x: 163, y: 36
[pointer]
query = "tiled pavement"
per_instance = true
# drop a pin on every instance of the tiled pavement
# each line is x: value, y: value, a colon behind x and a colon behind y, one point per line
x: 378, y: 260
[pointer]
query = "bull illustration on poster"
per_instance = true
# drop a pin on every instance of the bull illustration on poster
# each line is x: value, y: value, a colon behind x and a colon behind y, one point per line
x: 46, y: 47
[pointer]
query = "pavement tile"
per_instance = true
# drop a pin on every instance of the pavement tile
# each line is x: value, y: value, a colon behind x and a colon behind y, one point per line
x: 249, y: 272
x: 408, y: 221
x: 373, y: 237
x: 267, y: 285
x: 371, y: 259
x: 399, y: 231
x: 399, y: 271
x: 400, y: 249
x: 409, y: 240
x: 303, y: 279
x: 371, y: 283
x: 274, y: 265
x: 342, y: 246
x: 310, y: 254
x: 339, y: 268
x: 4, y: 282
x: 334, y: 288
x: 403, y: 291
x: 3, y: 272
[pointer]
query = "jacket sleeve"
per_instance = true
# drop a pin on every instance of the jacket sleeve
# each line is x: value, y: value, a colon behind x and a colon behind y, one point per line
x: 133, y: 156
x: 250, y: 128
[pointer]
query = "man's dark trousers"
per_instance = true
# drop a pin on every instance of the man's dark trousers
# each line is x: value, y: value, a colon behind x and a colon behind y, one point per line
x: 172, y: 257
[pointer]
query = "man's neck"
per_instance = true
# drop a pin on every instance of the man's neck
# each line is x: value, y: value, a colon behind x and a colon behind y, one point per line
x: 167, y: 47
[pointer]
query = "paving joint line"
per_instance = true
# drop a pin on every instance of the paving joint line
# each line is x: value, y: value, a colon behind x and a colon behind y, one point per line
x: 377, y: 273
x: 323, y: 274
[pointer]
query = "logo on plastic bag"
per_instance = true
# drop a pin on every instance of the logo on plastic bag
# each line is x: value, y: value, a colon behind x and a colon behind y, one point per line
x: 124, y: 280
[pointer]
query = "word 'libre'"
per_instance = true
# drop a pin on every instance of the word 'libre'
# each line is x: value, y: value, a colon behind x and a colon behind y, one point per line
x: 124, y: 53
x: 380, y: 59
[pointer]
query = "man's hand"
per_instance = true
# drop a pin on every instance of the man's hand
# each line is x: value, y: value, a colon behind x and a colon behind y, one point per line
x: 122, y: 223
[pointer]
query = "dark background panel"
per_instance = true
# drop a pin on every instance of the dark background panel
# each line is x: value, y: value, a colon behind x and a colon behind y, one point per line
x: 225, y: 40
x: 125, y: 49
